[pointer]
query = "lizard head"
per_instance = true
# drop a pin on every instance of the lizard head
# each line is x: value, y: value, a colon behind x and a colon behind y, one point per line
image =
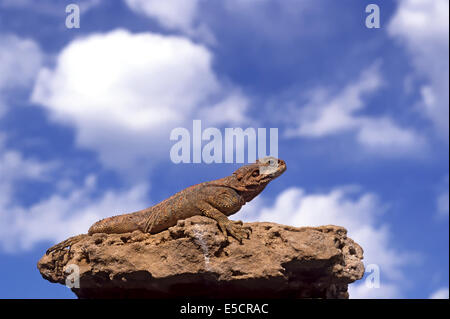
x: 250, y: 180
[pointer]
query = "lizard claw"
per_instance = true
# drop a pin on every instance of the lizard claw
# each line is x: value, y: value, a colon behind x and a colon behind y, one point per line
x: 235, y: 229
x: 246, y: 229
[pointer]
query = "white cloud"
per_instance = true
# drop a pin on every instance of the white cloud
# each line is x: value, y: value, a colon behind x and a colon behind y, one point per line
x: 383, y: 134
x: 20, y: 60
x: 330, y: 113
x: 344, y: 206
x: 326, y: 114
x: 69, y: 211
x: 15, y: 168
x: 423, y: 27
x: 229, y: 111
x: 190, y: 17
x: 179, y: 15
x: 440, y: 294
x: 124, y: 92
x: 62, y: 215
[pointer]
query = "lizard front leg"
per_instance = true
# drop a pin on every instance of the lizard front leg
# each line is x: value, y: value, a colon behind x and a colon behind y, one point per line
x: 227, y: 226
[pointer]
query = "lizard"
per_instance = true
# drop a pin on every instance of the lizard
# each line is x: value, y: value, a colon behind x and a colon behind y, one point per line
x: 215, y: 199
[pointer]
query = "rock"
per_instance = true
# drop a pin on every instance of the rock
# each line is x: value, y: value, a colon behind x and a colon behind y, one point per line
x: 193, y: 259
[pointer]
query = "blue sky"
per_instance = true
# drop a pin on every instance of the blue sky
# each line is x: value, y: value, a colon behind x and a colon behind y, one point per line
x: 362, y: 114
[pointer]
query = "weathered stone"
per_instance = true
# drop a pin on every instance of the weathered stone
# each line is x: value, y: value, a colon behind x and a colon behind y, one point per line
x: 193, y: 259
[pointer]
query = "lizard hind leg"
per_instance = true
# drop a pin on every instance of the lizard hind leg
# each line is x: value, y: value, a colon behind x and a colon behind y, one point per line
x: 66, y: 243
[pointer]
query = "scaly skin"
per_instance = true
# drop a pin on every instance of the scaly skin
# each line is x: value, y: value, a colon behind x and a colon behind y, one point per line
x: 216, y: 199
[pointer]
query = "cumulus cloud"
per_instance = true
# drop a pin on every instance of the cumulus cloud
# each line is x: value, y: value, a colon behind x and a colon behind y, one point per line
x: 423, y: 27
x: 358, y: 212
x: 124, y: 92
x: 329, y: 113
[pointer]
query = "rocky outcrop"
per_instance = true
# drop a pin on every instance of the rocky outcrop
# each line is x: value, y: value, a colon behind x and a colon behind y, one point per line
x: 193, y: 259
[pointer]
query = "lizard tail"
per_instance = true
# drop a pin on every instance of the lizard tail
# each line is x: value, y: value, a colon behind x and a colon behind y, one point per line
x: 66, y: 243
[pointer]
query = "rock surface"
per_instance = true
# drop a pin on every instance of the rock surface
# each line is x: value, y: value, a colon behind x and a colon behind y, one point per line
x: 192, y: 259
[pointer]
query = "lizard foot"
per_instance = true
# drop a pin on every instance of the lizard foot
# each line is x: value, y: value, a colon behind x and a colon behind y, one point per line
x: 239, y: 222
x: 235, y: 229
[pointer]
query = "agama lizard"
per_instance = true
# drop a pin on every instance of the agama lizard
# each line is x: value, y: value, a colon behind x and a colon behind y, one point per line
x: 216, y: 199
